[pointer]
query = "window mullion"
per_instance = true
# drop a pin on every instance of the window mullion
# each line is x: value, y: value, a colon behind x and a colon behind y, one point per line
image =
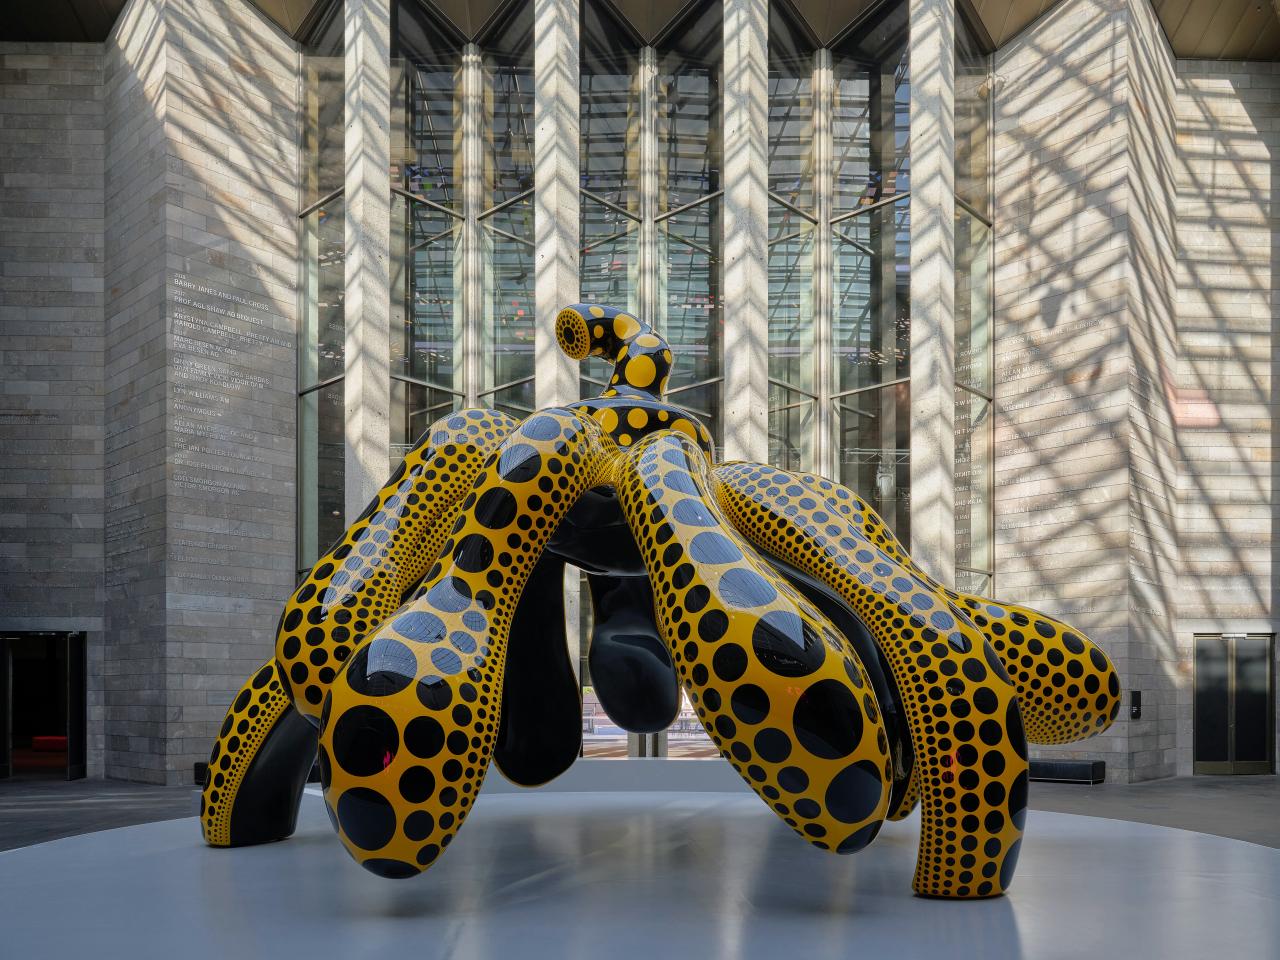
x: 473, y: 204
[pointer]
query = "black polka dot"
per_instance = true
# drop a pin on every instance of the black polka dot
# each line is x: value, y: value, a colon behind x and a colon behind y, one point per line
x: 391, y: 869
x: 787, y: 645
x: 420, y: 626
x: 729, y: 662
x: 418, y: 825
x: 827, y: 720
x: 749, y: 703
x: 446, y: 660
x: 984, y: 699
x: 793, y: 779
x: 417, y: 784
x: 541, y: 428
x: 474, y: 553
x: 773, y: 745
x: 712, y: 625
x: 855, y: 792
x: 382, y: 668
x: 711, y: 547
x: 434, y: 693
x: 424, y: 737
x: 1018, y: 801
x: 496, y: 508
x: 519, y: 463
x: 740, y: 587
x: 365, y: 741
x: 367, y: 818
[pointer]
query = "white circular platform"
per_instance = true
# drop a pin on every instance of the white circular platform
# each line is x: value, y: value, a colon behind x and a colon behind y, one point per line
x: 608, y: 876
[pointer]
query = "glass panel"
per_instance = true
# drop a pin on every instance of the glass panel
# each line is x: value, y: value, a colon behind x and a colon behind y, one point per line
x: 690, y: 249
x: 426, y: 60
x: 973, y: 481
x: 321, y: 463
x: 609, y: 121
x: 506, y: 343
x: 690, y: 145
x: 508, y: 67
x: 874, y: 449
x: 972, y: 119
x: 792, y: 386
x: 973, y: 302
x: 1212, y: 704
x: 1253, y: 698
x: 871, y: 111
x: 506, y: 338
x: 413, y: 409
x: 322, y: 345
x: 426, y: 316
x: 790, y: 110
x: 323, y: 96
x: 871, y: 333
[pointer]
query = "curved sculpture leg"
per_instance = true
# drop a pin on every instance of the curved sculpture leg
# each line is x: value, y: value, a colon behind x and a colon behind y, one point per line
x: 364, y: 577
x: 1068, y: 688
x: 258, y: 767
x: 779, y: 691
x: 540, y: 733
x: 966, y: 731
x: 631, y: 669
x: 409, y: 726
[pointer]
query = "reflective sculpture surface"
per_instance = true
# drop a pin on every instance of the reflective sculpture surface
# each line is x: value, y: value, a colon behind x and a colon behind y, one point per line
x: 841, y: 681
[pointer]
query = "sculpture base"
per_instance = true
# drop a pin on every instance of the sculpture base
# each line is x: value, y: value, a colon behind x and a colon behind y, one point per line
x: 623, y: 874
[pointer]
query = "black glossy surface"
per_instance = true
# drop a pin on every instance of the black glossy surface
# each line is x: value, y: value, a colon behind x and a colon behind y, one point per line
x: 266, y: 805
x: 630, y: 666
x: 594, y: 537
x: 540, y: 733
x: 886, y: 690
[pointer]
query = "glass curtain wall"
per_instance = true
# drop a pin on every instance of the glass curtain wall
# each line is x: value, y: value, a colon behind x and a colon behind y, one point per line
x: 650, y: 160
x: 974, y: 443
x: 651, y: 157
x: 839, y: 308
x: 322, y: 339
x: 462, y: 215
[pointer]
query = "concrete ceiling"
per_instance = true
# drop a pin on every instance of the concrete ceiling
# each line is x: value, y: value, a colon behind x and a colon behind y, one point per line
x: 1204, y: 29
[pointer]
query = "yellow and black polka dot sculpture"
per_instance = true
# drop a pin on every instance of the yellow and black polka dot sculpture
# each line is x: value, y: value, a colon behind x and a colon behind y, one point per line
x: 840, y: 680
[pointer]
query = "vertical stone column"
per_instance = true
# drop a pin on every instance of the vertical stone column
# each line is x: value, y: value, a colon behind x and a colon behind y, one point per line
x: 556, y: 203
x: 556, y: 65
x: 648, y: 297
x: 823, y: 257
x: 932, y: 66
x: 367, y: 25
x: 746, y: 230
x: 476, y: 311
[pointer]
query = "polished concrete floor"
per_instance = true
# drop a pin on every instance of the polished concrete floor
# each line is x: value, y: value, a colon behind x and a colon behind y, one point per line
x: 1243, y: 808
x: 636, y: 874
x: 36, y: 810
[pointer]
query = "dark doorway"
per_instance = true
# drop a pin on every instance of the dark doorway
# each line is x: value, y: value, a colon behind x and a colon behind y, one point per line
x: 42, y: 705
x: 1235, y: 703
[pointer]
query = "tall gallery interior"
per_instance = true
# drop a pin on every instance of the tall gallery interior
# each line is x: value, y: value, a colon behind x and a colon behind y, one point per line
x: 790, y: 476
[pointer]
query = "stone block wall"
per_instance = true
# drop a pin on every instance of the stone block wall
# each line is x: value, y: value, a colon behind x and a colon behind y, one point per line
x: 51, y: 341
x: 1085, y: 349
x: 1228, y: 270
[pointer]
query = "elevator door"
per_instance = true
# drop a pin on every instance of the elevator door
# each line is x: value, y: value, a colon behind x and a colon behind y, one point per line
x: 1234, y: 703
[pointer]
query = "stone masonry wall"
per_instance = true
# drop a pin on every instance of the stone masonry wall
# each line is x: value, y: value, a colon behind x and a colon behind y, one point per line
x: 51, y: 299
x: 1229, y: 267
x: 200, y: 314
x: 1085, y: 349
